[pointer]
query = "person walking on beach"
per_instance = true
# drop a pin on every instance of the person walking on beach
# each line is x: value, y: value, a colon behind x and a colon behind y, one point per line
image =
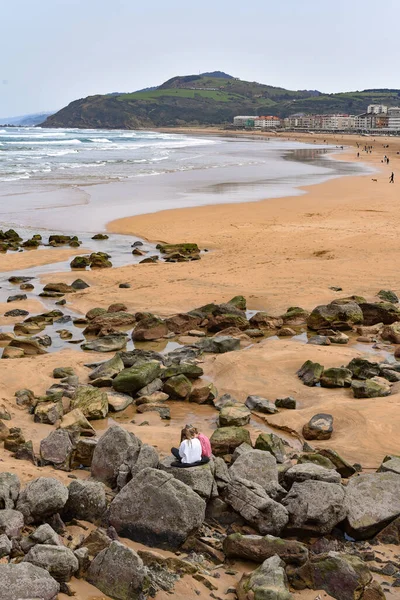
x: 391, y: 180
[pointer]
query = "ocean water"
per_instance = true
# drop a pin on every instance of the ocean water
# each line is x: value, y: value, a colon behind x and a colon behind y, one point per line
x: 78, y: 180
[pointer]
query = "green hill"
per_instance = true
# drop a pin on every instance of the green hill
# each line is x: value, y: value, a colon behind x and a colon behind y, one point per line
x: 207, y: 99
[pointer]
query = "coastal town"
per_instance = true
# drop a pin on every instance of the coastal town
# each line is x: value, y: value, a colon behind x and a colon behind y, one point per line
x: 378, y: 119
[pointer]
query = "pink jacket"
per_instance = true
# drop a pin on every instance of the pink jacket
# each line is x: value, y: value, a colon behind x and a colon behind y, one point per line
x: 205, y: 445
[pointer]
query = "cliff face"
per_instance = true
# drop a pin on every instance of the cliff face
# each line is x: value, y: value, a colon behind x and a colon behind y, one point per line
x: 205, y: 100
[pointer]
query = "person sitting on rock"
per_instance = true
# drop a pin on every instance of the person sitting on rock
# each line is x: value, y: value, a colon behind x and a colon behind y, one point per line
x: 189, y: 453
x: 205, y: 443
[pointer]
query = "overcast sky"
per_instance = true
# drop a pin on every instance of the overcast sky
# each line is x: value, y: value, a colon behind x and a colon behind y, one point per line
x: 55, y: 51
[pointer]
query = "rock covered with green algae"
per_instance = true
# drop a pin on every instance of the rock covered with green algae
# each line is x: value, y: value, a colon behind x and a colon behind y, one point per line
x: 224, y: 440
x: 336, y: 315
x: 91, y: 401
x: 342, y: 576
x: 132, y: 379
x: 268, y: 582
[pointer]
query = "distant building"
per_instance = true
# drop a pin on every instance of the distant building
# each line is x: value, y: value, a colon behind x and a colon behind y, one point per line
x: 244, y: 121
x: 394, y: 118
x: 267, y: 122
x: 338, y: 122
x: 377, y: 109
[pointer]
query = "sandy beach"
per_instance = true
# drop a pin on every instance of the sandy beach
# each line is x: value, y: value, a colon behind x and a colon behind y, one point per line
x: 277, y: 253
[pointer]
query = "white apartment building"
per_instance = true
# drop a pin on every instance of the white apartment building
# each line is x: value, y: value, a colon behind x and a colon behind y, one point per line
x: 394, y: 118
x: 377, y: 109
x: 324, y: 122
x: 267, y: 122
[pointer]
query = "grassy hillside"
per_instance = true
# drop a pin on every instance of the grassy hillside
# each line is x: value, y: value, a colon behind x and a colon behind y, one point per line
x: 213, y: 98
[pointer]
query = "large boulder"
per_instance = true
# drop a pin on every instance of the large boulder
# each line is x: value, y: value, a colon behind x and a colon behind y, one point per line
x: 363, y: 368
x: 56, y: 449
x: 342, y: 576
x: 109, y: 368
x: 258, y: 548
x: 257, y: 466
x: 234, y: 416
x: 24, y: 581
x: 86, y: 500
x: 375, y: 387
x: 271, y: 443
x: 110, y: 454
x: 251, y: 501
x: 150, y: 328
x: 315, y: 507
x: 9, y: 490
x: 42, y: 498
x: 118, y: 572
x: 372, y: 501
x: 156, y: 509
x: 335, y: 316
x: 91, y: 401
x: 225, y: 439
x: 336, y: 377
x: 268, y: 582
x: 133, y: 379
x: 379, y: 312
x: 200, y: 479
x: 59, y: 561
x: 178, y: 387
x: 118, y: 402
x: 307, y: 471
x: 11, y: 522
x: 106, y: 343
x: 136, y: 459
x: 218, y: 344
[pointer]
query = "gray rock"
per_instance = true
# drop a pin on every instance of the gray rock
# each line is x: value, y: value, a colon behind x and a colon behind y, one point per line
x: 110, y: 453
x: 392, y: 465
x: 251, y: 501
x: 288, y: 402
x: 306, y: 471
x: 136, y: 459
x: 336, y: 377
x: 257, y: 466
x: 376, y: 387
x: 118, y: 402
x: 42, y: 498
x: 319, y: 340
x: 218, y: 344
x: 109, y: 368
x: 315, y: 506
x: 258, y: 548
x: 133, y: 379
x: 271, y: 443
x: 336, y: 315
x: 11, y: 522
x: 200, y: 479
x: 372, y: 501
x: 118, y: 572
x: 59, y: 561
x: 319, y: 427
x: 224, y: 400
x: 106, y: 343
x: 261, y: 405
x: 56, y: 449
x: 310, y: 373
x: 25, y: 581
x: 156, y: 509
x: 363, y: 368
x: 45, y: 534
x: 86, y: 500
x: 234, y: 416
x: 9, y: 490
x: 155, y: 386
x: 268, y: 582
x: 242, y: 449
x: 221, y: 473
x: 5, y: 546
